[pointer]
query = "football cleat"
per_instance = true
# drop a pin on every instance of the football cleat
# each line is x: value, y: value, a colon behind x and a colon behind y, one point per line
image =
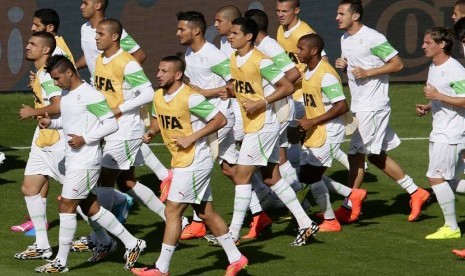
x: 83, y: 244
x: 101, y: 251
x: 52, y: 267
x: 418, y: 198
x: 32, y: 253
x: 237, y: 266
x: 304, y: 234
x: 444, y: 233
x: 132, y: 254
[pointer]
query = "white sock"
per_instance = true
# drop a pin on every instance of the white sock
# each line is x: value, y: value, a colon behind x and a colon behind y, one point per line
x: 99, y: 235
x: 254, y: 205
x: 407, y: 184
x: 118, y: 197
x: 242, y: 197
x: 163, y: 262
x: 457, y: 185
x: 195, y: 217
x: 36, y: 209
x: 44, y: 201
x: 321, y: 195
x: 290, y: 174
x: 108, y: 221
x: 106, y: 197
x: 341, y: 157
x: 153, y: 163
x: 446, y: 200
x: 336, y: 187
x: 144, y: 195
x: 287, y: 195
x: 293, y: 155
x: 68, y: 225
x: 227, y: 242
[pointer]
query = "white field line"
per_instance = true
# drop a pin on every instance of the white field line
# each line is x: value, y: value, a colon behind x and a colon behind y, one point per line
x: 161, y: 144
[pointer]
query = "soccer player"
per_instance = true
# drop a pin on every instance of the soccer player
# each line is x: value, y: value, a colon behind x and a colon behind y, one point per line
x: 325, y: 104
x: 185, y: 119
x: 223, y: 23
x: 459, y: 10
x: 257, y: 83
x: 444, y: 88
x: 46, y: 158
x: 368, y: 59
x: 85, y: 119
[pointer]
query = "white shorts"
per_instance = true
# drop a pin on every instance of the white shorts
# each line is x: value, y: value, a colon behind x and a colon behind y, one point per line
x: 283, y: 140
x: 79, y: 183
x: 259, y: 148
x: 121, y: 155
x: 445, y: 161
x: 227, y: 150
x: 319, y: 157
x: 50, y: 163
x: 238, y: 125
x: 373, y: 134
x: 299, y: 112
x: 191, y: 186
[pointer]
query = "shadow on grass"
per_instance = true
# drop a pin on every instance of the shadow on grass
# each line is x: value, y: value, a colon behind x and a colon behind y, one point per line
x: 11, y: 162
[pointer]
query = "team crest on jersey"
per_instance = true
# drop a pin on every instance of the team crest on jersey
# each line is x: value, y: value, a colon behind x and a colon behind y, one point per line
x: 243, y: 87
x: 169, y: 122
x: 103, y: 84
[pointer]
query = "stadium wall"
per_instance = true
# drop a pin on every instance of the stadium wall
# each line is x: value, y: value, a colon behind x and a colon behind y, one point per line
x: 153, y: 24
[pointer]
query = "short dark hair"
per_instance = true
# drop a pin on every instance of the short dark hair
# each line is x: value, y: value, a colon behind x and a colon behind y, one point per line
x: 48, y: 38
x: 459, y: 2
x: 259, y: 17
x: 115, y: 26
x: 193, y: 17
x: 355, y: 7
x: 48, y: 17
x: 441, y: 34
x: 295, y: 3
x: 177, y: 60
x: 459, y: 29
x: 248, y: 26
x: 315, y: 40
x: 104, y: 4
x: 60, y: 63
x: 230, y: 12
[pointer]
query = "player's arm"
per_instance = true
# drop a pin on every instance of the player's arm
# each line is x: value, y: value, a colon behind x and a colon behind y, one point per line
x: 130, y: 45
x: 431, y: 93
x: 81, y: 63
x: 154, y: 127
x: 221, y: 67
x: 108, y: 123
x: 53, y: 108
x: 393, y: 65
x: 139, y: 55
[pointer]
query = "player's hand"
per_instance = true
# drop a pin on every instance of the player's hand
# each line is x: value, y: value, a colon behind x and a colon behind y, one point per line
x: 45, y: 121
x: 359, y: 73
x: 116, y: 111
x: 228, y: 92
x: 305, y: 125
x: 252, y: 106
x: 184, y: 142
x: 431, y: 93
x: 148, y: 136
x: 341, y: 63
x: 26, y: 112
x: 423, y: 109
x: 76, y: 141
x: 32, y: 79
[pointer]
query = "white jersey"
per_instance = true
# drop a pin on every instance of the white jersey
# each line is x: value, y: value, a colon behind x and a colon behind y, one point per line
x: 209, y: 68
x: 82, y: 111
x: 448, y: 121
x: 201, y: 112
x: 367, y: 49
x: 89, y: 46
x: 225, y: 46
x: 332, y: 92
x: 271, y: 48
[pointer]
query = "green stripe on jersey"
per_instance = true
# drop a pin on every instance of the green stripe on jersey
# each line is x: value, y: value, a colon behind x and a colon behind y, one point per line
x: 383, y: 50
x: 282, y: 60
x: 127, y: 43
x: 50, y: 87
x: 222, y: 69
x: 333, y: 91
x: 99, y: 109
x: 458, y: 86
x: 136, y: 79
x: 203, y: 109
x: 270, y: 72
x: 154, y: 109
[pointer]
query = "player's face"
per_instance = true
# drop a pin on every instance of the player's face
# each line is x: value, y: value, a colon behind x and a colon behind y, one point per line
x: 237, y: 38
x: 222, y: 25
x: 166, y: 75
x: 304, y: 51
x: 87, y: 9
x: 62, y: 80
x: 103, y: 37
x: 344, y: 18
x: 184, y: 33
x: 35, y: 48
x: 458, y: 13
x: 286, y: 12
x: 37, y: 25
x: 430, y: 47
